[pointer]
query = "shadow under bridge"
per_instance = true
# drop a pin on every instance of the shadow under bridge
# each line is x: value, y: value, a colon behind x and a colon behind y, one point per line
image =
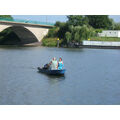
x: 17, y: 35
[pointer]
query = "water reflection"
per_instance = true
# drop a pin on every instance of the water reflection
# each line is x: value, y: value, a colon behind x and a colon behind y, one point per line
x: 56, y: 81
x: 58, y: 78
x: 53, y: 78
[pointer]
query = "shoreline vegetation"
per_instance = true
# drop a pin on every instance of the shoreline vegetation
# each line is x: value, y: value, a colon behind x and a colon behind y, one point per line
x: 70, y: 33
x: 107, y: 39
x: 52, y: 42
x: 79, y: 28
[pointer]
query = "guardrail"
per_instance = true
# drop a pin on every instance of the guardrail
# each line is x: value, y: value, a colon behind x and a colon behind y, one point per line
x: 27, y: 21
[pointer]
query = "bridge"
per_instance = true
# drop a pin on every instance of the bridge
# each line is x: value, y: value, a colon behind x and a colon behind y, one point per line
x: 27, y: 31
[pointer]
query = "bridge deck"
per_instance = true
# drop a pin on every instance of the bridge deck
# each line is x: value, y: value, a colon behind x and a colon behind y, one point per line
x: 26, y: 23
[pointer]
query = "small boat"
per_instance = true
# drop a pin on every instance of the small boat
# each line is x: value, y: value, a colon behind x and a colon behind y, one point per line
x: 52, y: 72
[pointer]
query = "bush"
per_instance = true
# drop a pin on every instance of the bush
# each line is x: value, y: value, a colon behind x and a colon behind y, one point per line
x: 98, y: 30
x: 53, y: 32
x: 50, y: 42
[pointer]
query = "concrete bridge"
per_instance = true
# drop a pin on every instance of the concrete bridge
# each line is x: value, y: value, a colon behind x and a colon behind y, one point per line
x: 27, y: 32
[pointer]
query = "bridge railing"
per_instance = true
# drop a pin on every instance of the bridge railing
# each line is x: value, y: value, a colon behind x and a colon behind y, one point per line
x: 26, y: 21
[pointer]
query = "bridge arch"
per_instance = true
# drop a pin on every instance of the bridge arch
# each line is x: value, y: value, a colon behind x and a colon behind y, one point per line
x: 25, y: 35
x: 37, y: 31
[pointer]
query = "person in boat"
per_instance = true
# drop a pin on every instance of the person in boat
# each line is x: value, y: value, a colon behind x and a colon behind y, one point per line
x: 60, y: 64
x: 46, y: 66
x: 53, y: 64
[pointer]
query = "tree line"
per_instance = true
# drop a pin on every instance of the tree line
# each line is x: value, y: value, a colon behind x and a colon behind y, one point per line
x: 82, y: 27
x: 6, y: 17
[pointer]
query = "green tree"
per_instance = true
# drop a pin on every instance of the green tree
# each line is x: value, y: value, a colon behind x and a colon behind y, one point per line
x: 62, y: 30
x: 112, y: 27
x: 68, y: 37
x: 77, y: 37
x: 53, y: 32
x: 86, y: 32
x: 59, y: 24
x: 6, y: 17
x: 117, y: 26
x: 99, y: 21
x: 76, y: 20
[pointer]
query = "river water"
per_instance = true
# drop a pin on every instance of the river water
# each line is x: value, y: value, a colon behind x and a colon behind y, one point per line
x: 92, y: 76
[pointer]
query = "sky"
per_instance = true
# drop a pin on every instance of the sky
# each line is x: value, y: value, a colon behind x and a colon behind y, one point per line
x: 53, y: 18
x: 42, y: 18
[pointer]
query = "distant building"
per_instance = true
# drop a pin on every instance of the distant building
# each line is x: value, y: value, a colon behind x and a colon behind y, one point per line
x: 109, y: 33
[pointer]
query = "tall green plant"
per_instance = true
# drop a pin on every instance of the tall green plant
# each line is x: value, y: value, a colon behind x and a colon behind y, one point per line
x: 68, y: 37
x: 77, y: 37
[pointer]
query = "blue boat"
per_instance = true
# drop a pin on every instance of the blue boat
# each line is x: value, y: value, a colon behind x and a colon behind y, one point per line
x: 52, y: 72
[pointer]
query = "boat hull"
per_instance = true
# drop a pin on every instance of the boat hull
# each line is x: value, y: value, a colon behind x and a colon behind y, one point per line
x: 52, y: 72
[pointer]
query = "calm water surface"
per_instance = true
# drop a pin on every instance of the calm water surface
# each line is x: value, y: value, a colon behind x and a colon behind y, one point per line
x: 92, y: 76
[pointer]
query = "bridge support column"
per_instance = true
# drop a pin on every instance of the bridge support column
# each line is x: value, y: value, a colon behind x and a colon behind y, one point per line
x: 38, y: 32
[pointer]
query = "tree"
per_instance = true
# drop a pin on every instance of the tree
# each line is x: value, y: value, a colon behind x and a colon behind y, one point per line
x: 117, y: 26
x: 112, y: 27
x: 99, y: 21
x: 63, y: 27
x: 59, y: 24
x: 6, y: 17
x: 68, y: 36
x: 76, y: 20
x: 77, y: 37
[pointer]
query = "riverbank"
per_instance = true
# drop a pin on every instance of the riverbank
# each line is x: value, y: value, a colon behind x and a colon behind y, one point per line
x: 93, y: 42
x: 51, y: 42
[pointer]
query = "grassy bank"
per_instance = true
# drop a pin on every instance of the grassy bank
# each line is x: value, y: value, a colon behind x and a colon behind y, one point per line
x: 114, y: 39
x: 50, y: 42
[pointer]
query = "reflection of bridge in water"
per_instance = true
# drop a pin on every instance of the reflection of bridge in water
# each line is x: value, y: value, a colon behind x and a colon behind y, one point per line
x: 27, y: 31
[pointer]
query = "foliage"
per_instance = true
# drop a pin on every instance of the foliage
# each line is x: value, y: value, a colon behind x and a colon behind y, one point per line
x: 112, y: 26
x: 76, y: 20
x: 105, y: 39
x: 117, y: 26
x: 50, y: 42
x: 99, y: 21
x: 81, y: 27
x: 6, y: 16
x: 53, y: 32
x: 98, y: 30
x: 77, y: 37
x: 79, y: 33
x: 68, y: 36
x: 62, y: 30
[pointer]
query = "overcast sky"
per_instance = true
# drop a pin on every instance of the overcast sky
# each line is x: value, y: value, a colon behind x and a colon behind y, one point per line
x: 53, y: 18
